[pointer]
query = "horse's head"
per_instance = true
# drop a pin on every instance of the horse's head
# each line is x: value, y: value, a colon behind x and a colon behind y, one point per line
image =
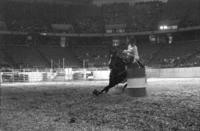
x: 117, y: 60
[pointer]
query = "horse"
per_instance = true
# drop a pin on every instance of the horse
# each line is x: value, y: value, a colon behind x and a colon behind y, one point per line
x: 118, y: 73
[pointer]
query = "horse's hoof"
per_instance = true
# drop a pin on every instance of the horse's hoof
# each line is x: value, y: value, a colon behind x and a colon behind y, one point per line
x: 96, y: 92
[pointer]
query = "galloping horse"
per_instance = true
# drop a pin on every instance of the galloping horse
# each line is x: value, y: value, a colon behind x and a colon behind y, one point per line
x: 118, y: 73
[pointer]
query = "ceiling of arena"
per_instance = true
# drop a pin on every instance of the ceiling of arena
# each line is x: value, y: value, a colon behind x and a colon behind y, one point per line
x: 57, y: 1
x: 85, y: 1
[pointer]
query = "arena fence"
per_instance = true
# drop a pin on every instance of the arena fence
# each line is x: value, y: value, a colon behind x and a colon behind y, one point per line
x: 56, y: 75
x: 186, y: 72
x: 69, y: 74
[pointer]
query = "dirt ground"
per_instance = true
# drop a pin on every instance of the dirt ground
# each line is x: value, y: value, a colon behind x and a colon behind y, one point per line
x: 72, y: 107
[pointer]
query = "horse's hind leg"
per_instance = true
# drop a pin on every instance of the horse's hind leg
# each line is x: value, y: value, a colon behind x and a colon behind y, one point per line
x: 107, y: 88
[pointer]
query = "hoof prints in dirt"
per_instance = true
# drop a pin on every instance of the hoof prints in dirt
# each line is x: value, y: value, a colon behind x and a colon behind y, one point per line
x: 70, y: 108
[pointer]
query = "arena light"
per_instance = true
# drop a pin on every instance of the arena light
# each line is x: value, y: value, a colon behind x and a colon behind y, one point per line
x: 163, y: 27
x: 44, y: 34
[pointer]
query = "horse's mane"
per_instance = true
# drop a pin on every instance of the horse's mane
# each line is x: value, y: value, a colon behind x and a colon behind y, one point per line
x: 117, y: 61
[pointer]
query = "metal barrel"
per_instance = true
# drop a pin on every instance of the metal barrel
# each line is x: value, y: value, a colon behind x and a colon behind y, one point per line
x: 136, y: 79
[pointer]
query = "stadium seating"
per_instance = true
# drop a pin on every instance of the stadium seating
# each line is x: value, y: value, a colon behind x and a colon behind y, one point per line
x: 193, y: 60
x: 3, y: 61
x: 56, y: 55
x: 146, y: 16
x: 177, y: 54
x: 142, y: 16
x: 21, y: 56
x: 115, y: 13
x: 147, y: 51
x: 24, y: 57
x: 94, y: 56
x: 185, y: 11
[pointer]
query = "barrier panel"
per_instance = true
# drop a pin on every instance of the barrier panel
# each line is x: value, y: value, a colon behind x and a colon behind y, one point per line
x: 186, y: 72
x: 7, y: 77
x: 101, y: 75
x: 139, y: 75
x: 1, y: 77
x: 78, y: 74
x: 68, y: 74
x: 35, y: 76
x: 45, y: 76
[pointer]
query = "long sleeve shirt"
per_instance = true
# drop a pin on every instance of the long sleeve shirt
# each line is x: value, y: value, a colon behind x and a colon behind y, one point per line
x: 133, y: 52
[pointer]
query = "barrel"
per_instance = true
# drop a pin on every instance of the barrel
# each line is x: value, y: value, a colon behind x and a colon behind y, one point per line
x: 136, y: 79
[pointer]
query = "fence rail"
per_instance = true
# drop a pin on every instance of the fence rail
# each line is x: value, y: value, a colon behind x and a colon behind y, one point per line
x: 25, y: 75
x: 69, y: 74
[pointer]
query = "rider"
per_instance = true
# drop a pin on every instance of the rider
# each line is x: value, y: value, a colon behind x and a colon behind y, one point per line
x: 132, y: 53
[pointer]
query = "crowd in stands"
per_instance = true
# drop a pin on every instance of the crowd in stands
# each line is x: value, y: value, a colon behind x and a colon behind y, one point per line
x: 58, y: 56
x: 2, y: 59
x: 187, y: 12
x: 178, y: 54
x: 143, y: 16
x: 115, y: 13
x: 23, y: 57
x: 93, y: 56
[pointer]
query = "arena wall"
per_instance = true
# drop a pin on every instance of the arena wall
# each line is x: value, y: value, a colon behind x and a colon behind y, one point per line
x: 97, y: 74
x: 100, y: 75
x: 187, y: 72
